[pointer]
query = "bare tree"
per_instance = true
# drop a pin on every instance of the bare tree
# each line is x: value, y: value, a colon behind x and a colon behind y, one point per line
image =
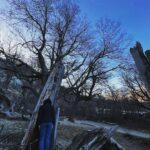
x: 48, y: 30
x: 88, y: 81
x: 52, y: 30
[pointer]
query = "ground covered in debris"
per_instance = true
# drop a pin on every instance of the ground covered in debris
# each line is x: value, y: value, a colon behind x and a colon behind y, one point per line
x: 12, y: 131
x: 66, y: 134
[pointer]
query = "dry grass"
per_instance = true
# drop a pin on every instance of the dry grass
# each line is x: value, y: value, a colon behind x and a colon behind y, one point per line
x: 13, y: 132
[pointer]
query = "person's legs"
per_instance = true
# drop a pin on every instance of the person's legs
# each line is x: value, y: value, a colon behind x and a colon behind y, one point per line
x: 48, y: 136
x: 42, y: 137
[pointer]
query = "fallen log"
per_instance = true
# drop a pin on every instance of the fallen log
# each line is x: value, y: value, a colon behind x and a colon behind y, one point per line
x: 10, y: 115
x: 97, y: 139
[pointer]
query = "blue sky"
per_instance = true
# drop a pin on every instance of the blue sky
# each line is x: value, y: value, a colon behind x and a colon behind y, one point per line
x: 2, y: 3
x: 133, y: 14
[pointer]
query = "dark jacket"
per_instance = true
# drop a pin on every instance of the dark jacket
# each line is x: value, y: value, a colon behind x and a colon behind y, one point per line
x: 46, y: 114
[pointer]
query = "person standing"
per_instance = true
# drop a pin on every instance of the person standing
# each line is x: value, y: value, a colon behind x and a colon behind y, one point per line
x: 46, y: 123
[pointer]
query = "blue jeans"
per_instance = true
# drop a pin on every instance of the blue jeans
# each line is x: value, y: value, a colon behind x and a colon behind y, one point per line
x: 45, y: 136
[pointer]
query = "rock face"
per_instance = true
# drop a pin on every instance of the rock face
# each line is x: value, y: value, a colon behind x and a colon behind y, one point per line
x: 142, y: 61
x: 98, y: 139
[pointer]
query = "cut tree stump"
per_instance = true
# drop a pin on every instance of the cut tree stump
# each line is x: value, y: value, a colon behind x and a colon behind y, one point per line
x: 97, y: 139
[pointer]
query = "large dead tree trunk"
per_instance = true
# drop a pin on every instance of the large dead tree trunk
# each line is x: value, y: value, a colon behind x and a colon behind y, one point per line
x: 142, y: 63
x: 98, y: 139
x: 50, y: 90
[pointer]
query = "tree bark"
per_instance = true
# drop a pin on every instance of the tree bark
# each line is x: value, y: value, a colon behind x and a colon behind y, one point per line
x: 50, y: 90
x: 98, y: 139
